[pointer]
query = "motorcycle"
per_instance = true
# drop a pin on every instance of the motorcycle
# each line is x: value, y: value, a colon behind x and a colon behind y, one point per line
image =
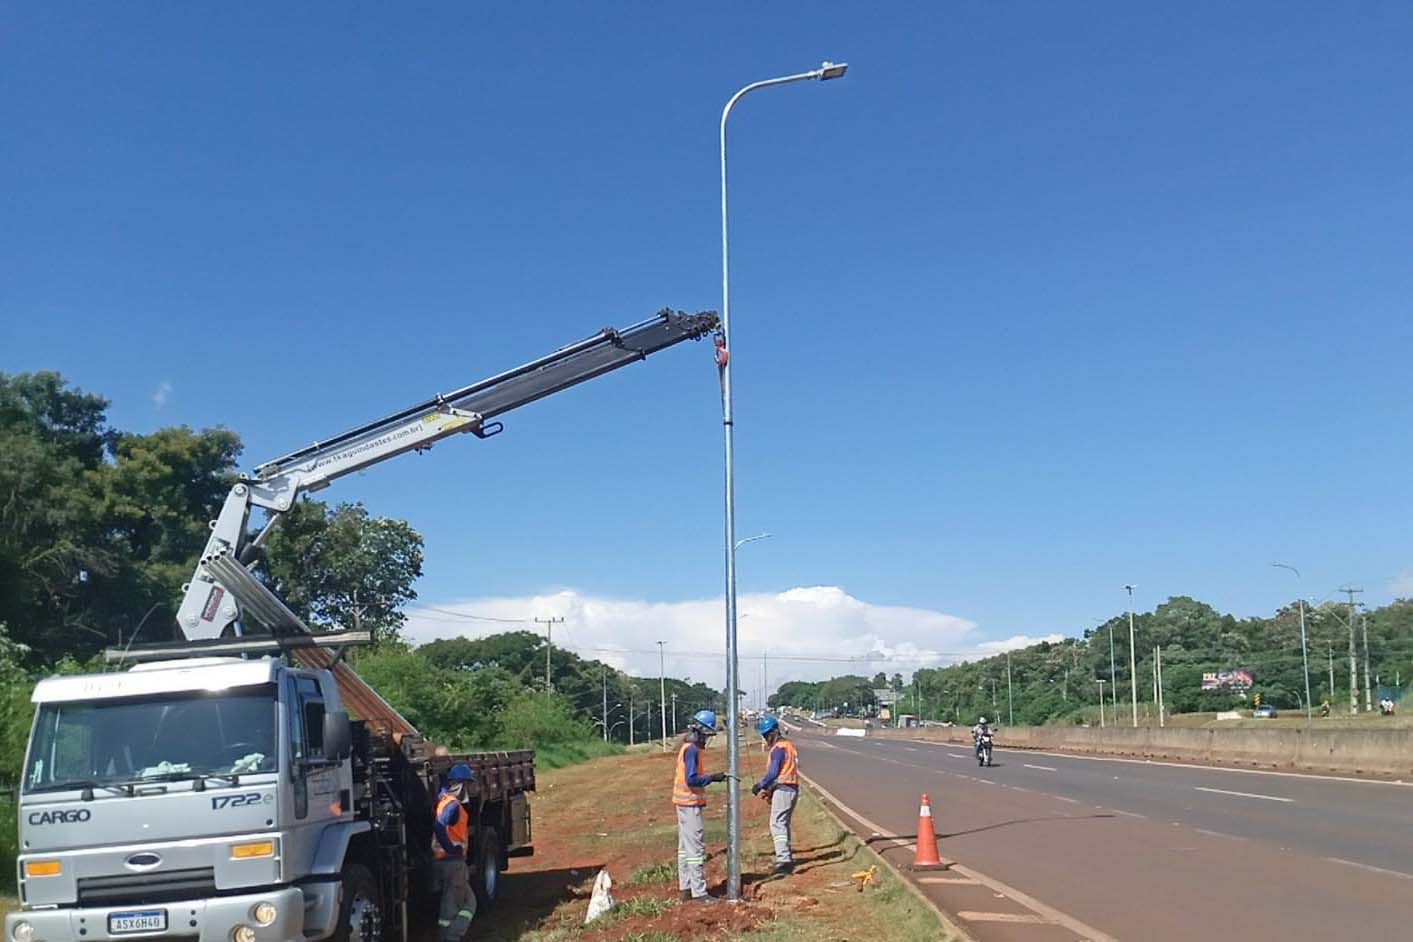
x: 983, y: 749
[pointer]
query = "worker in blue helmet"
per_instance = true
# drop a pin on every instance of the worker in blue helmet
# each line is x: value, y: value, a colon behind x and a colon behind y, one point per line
x: 689, y: 796
x: 781, y: 787
x: 451, y: 843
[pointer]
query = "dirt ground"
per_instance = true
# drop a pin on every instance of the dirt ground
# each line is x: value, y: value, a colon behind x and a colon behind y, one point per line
x: 616, y: 814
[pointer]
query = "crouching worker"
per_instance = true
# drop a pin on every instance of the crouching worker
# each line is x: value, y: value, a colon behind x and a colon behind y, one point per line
x: 451, y: 829
x: 781, y: 784
x: 689, y: 795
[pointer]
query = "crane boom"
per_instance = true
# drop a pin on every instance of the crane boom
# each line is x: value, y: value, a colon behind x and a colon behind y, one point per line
x: 223, y: 597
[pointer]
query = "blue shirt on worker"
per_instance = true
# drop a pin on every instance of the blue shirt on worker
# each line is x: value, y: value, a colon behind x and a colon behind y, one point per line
x: 772, y: 771
x: 693, y: 768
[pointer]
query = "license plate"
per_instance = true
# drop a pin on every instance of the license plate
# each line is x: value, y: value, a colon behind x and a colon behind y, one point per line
x: 140, y: 920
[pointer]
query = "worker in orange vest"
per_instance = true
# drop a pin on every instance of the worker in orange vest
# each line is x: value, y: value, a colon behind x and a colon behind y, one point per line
x: 451, y: 839
x: 781, y: 785
x: 689, y: 795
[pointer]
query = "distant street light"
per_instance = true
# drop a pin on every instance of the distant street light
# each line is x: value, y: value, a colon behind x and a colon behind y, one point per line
x: 1132, y: 659
x: 752, y: 539
x: 1304, y: 651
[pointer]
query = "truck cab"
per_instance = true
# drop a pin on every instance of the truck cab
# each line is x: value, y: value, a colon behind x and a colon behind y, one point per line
x: 207, y: 799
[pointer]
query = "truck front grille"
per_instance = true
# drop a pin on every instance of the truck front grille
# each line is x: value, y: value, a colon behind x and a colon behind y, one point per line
x: 156, y: 887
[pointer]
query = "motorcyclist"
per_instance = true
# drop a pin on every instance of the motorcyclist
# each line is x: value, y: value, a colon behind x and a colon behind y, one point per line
x: 977, y: 731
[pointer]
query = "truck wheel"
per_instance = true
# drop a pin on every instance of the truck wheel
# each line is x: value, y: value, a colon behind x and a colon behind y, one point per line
x: 489, y: 855
x: 361, y: 907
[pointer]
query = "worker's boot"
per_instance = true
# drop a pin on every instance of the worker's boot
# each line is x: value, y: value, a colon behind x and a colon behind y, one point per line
x: 785, y: 869
x: 685, y: 896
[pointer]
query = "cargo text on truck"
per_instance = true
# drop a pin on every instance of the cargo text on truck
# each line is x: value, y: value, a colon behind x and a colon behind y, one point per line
x: 218, y: 790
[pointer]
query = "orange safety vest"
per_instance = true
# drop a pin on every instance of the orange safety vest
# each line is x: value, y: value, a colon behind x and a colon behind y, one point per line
x: 683, y: 794
x: 456, y: 831
x: 790, y: 765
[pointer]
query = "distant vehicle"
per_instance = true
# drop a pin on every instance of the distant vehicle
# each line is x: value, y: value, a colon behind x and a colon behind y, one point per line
x: 1264, y: 712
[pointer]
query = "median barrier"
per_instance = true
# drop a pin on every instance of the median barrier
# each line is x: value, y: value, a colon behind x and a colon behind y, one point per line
x: 850, y: 731
x: 1372, y: 751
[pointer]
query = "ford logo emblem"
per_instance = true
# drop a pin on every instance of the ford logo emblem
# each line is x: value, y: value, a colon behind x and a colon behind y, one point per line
x: 142, y: 861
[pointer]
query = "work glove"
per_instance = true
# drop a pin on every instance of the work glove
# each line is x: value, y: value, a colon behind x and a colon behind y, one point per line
x: 717, y: 777
x: 755, y: 789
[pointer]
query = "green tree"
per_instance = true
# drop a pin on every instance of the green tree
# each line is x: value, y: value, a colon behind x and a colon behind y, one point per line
x: 344, y: 568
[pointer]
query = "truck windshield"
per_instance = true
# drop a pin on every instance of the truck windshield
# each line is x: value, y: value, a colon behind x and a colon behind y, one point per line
x: 169, y: 736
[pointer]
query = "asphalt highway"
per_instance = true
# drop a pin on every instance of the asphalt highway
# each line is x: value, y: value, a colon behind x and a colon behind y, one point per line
x: 1045, y: 846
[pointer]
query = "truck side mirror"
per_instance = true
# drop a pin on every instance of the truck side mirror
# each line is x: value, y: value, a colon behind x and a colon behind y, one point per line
x: 338, y: 735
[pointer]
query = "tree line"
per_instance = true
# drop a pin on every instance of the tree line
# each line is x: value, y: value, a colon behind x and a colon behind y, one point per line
x: 1058, y: 682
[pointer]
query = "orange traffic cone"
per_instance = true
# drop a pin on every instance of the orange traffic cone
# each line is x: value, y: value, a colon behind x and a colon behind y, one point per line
x: 926, y: 857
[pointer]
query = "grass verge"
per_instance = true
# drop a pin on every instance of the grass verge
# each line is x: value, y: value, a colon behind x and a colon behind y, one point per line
x: 615, y: 813
x: 559, y: 755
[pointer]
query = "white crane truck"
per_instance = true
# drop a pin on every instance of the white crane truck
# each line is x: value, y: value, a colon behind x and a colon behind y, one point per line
x: 218, y: 790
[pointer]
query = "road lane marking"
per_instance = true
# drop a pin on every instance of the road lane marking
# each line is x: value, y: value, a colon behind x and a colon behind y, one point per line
x: 1353, y: 863
x: 1083, y: 930
x: 1043, y: 768
x: 1220, y: 768
x: 909, y: 749
x: 1126, y: 814
x: 1223, y: 791
x: 1026, y: 918
x: 955, y: 756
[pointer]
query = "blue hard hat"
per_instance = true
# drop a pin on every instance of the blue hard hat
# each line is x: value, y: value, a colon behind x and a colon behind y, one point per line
x: 766, y: 724
x: 460, y: 772
x: 705, y: 718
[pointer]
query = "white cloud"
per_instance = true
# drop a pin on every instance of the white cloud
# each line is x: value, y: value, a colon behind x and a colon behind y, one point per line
x: 1016, y: 642
x: 1402, y: 585
x: 804, y: 633
x: 164, y: 390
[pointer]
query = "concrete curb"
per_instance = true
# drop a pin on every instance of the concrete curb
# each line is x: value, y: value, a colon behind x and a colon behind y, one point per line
x: 825, y: 801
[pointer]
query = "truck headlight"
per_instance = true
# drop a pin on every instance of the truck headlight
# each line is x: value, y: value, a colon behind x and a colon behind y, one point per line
x: 264, y: 913
x: 243, y: 934
x: 23, y: 932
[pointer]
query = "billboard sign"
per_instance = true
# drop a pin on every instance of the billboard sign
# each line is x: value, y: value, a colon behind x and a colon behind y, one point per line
x: 1228, y: 679
x: 884, y: 696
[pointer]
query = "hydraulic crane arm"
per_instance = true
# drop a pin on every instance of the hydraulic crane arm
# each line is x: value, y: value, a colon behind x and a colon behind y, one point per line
x: 224, y: 598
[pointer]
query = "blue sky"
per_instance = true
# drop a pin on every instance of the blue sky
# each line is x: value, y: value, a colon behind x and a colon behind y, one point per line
x: 1035, y: 302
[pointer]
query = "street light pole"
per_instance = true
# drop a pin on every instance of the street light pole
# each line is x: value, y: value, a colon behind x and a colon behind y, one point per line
x: 1101, y: 703
x: 1010, y: 704
x: 1113, y: 672
x: 1132, y: 659
x: 1304, y: 649
x: 662, y: 691
x: 828, y: 70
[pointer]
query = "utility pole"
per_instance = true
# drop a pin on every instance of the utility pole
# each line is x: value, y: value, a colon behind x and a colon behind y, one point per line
x: 1353, y: 658
x: 630, y: 711
x: 1368, y: 691
x: 1132, y: 658
x: 662, y: 692
x: 605, y: 703
x: 1010, y: 704
x: 549, y: 624
x: 674, y: 713
x: 1158, y: 671
x: 1330, y: 651
x: 1113, y: 673
x: 765, y: 680
x: 1101, y: 703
